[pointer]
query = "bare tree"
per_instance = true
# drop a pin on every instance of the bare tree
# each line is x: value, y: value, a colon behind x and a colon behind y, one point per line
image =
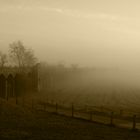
x: 21, y: 56
x: 3, y: 59
x: 30, y: 59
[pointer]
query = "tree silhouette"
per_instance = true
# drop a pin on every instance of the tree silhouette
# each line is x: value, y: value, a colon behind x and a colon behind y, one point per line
x: 21, y: 56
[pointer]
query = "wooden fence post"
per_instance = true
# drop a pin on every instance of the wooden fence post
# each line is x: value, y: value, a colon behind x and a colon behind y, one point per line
x: 6, y: 88
x: 56, y: 107
x: 90, y: 113
x: 23, y: 101
x: 86, y: 108
x: 72, y: 110
x: 16, y: 100
x: 134, y: 122
x: 121, y: 112
x: 44, y: 106
x: 101, y: 108
x: 111, y: 118
x: 0, y: 108
x: 32, y: 104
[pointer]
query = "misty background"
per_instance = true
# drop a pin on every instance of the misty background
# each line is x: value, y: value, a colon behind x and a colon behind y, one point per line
x: 100, y: 34
x: 76, y: 58
x: 89, y: 33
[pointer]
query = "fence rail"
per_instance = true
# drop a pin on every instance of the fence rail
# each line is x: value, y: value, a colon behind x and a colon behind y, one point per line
x: 93, y: 114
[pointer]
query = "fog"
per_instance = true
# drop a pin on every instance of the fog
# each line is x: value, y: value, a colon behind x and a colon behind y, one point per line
x: 101, y: 34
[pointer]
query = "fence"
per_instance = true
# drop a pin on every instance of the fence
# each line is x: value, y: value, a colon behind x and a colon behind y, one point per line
x: 96, y: 114
x: 90, y: 113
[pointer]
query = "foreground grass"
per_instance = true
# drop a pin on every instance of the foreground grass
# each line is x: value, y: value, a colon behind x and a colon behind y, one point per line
x: 17, y: 123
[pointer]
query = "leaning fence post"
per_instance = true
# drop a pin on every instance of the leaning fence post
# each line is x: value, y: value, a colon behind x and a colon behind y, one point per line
x: 72, y: 113
x: 111, y: 118
x: 134, y: 122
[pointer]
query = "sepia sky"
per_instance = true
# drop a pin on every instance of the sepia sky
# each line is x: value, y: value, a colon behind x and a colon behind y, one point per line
x: 103, y: 33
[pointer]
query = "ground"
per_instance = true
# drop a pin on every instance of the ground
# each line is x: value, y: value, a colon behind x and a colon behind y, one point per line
x: 17, y: 123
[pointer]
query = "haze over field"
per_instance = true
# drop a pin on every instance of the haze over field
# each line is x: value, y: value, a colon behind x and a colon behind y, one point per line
x: 90, y: 33
x: 70, y: 69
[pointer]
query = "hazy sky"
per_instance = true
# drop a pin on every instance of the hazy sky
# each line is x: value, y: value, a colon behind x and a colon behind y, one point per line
x: 88, y: 32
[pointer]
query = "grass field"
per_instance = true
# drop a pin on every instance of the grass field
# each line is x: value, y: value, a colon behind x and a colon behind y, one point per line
x: 115, y: 90
x: 17, y: 123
